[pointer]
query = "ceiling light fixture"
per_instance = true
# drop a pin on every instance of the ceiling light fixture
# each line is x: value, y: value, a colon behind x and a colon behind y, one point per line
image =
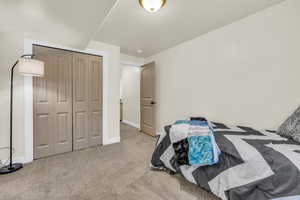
x: 152, y: 5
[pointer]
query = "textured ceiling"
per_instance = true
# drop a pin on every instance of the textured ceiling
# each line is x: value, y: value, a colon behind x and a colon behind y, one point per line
x: 122, y: 22
x: 131, y: 28
x: 67, y: 22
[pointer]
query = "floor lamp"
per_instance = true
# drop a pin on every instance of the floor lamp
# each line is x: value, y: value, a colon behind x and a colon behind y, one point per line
x: 27, y: 66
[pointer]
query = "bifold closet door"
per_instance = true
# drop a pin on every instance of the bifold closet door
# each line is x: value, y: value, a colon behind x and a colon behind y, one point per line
x: 67, y: 102
x: 95, y: 101
x: 53, y: 103
x: 87, y: 100
x: 80, y: 101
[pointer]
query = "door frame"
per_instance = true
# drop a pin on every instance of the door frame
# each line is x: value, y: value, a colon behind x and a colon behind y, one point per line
x: 139, y: 66
x: 28, y: 95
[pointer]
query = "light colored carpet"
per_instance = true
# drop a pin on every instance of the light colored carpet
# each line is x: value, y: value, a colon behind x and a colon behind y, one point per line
x: 113, y: 172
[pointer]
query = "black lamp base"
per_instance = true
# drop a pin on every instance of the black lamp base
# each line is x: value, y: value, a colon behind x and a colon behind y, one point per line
x: 10, y: 169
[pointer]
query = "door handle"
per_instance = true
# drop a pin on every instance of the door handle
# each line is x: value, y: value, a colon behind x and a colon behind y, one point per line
x: 153, y: 102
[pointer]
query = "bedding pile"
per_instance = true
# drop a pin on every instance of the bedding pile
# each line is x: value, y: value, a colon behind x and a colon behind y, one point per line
x: 253, y: 165
x: 201, y: 148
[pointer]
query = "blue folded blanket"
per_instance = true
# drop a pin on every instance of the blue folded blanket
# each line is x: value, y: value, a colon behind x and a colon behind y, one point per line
x: 200, y: 150
x: 203, y: 149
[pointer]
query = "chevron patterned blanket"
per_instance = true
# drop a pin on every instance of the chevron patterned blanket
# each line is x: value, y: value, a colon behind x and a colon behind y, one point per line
x: 254, y: 164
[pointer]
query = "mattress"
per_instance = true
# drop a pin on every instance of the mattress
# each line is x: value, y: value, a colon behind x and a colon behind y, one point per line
x: 254, y: 164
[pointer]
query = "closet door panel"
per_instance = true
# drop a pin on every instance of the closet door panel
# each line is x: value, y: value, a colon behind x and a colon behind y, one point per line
x: 53, y: 103
x: 43, y: 141
x: 95, y: 128
x: 95, y: 100
x: 80, y: 101
x: 43, y: 116
x: 63, y: 101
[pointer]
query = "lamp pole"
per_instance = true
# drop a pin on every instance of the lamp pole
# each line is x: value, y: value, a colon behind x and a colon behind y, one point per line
x: 12, y: 167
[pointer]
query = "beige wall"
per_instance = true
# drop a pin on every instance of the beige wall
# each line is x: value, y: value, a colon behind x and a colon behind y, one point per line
x: 246, y: 72
x: 130, y: 94
x: 11, y: 47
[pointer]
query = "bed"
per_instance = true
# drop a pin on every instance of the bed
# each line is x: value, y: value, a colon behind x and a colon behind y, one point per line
x: 253, y: 165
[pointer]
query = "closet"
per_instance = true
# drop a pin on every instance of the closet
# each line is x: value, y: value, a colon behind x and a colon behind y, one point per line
x: 67, y: 102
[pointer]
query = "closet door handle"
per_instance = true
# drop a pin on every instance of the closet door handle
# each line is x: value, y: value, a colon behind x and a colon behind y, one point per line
x: 153, y: 102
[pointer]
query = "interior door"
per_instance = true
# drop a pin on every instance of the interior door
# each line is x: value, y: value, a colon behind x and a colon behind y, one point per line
x: 148, y: 99
x: 95, y: 100
x: 53, y: 103
x: 80, y: 101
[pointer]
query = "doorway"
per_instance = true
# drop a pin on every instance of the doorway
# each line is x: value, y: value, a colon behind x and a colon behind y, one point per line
x: 130, y: 95
x: 67, y: 102
x: 138, y: 105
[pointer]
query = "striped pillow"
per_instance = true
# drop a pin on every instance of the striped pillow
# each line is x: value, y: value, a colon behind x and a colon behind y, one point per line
x: 291, y: 127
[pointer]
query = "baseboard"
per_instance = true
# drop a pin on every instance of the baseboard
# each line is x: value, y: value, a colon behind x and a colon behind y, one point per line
x: 17, y: 160
x: 20, y: 160
x: 112, y: 141
x: 131, y: 124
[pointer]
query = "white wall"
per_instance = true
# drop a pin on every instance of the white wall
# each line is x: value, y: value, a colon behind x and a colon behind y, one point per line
x: 245, y: 73
x: 11, y: 47
x: 130, y: 94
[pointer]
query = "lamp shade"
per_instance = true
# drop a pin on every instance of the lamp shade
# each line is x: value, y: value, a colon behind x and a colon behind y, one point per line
x: 31, y: 67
